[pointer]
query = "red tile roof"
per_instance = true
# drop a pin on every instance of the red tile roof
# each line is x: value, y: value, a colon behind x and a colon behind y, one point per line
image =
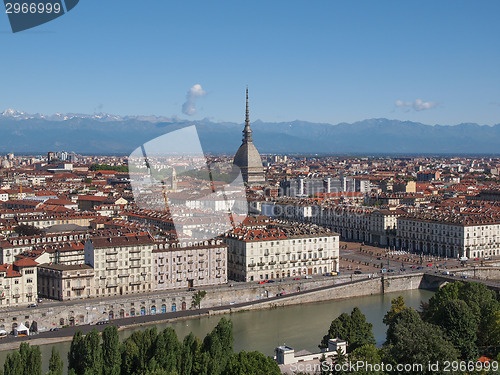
x: 25, y: 262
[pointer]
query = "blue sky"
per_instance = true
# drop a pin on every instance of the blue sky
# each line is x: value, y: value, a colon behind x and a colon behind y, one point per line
x: 320, y: 61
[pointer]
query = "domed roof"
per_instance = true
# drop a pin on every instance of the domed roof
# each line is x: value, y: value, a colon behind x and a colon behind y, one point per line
x: 248, y: 156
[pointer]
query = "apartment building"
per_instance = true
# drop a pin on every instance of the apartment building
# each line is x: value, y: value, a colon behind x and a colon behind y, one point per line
x: 450, y: 235
x: 18, y: 283
x: 48, y: 220
x: 279, y: 250
x: 65, y: 282
x: 189, y: 264
x: 13, y: 246
x: 352, y: 222
x: 357, y: 223
x: 122, y: 264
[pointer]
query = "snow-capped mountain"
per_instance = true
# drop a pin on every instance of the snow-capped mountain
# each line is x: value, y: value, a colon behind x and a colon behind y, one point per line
x: 19, y: 115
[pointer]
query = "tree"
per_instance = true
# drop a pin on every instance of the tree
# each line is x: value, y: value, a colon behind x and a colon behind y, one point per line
x: 25, y: 361
x: 92, y: 354
x: 339, y: 328
x: 460, y: 326
x: 338, y: 359
x: 197, y: 297
x: 27, y: 230
x: 397, y: 305
x: 494, y: 326
x: 56, y: 364
x: 13, y: 364
x: 139, y: 351
x: 130, y: 356
x: 168, y: 350
x: 354, y: 329
x: 219, y: 345
x: 481, y: 301
x: 31, y: 358
x: 111, y: 351
x: 362, y: 330
x: 251, y: 363
x: 107, y: 167
x: 368, y: 354
x: 410, y: 340
x: 75, y: 354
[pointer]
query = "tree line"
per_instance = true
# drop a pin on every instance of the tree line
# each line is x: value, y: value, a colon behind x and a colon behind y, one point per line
x: 146, y: 352
x: 107, y: 167
x: 461, y: 322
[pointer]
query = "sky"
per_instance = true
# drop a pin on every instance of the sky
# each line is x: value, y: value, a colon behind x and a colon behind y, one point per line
x: 435, y: 62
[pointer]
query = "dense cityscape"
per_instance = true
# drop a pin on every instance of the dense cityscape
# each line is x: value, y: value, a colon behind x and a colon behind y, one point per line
x: 249, y: 188
x: 83, y: 244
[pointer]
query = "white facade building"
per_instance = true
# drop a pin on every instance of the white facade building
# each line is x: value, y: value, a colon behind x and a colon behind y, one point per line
x: 281, y: 250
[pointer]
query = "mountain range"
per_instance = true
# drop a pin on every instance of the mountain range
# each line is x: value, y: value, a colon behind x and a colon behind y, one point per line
x: 109, y: 134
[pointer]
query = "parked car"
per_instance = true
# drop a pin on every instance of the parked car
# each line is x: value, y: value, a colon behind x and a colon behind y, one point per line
x: 446, y: 272
x: 309, y: 277
x: 464, y: 276
x: 269, y: 281
x: 191, y: 289
x: 383, y: 270
x: 420, y: 268
x: 262, y: 281
x: 296, y: 278
x: 32, y: 305
x: 357, y: 272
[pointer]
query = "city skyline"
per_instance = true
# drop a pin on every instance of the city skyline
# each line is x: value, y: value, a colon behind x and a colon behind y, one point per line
x: 335, y: 62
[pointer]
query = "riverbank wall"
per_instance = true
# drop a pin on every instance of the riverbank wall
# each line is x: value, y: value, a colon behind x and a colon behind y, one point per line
x: 50, y: 315
x: 54, y: 314
x: 360, y: 288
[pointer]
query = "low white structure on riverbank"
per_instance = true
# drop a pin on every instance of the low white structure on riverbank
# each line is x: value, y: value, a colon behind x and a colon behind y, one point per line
x: 305, y: 361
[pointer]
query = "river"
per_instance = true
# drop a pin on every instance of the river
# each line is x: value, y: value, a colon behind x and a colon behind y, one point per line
x: 299, y: 326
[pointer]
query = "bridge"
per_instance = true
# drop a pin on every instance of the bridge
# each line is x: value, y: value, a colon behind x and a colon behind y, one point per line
x: 490, y: 276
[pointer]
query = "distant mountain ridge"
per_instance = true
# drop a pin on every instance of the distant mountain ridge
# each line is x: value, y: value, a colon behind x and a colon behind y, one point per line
x: 107, y: 134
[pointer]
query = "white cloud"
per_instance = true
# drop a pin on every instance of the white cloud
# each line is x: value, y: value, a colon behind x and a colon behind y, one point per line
x: 194, y: 93
x: 417, y: 105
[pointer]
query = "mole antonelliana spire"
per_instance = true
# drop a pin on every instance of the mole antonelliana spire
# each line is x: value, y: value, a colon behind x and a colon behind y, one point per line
x: 247, y: 132
x: 247, y: 157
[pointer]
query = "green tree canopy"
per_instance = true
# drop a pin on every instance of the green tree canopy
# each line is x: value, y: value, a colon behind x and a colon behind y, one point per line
x: 56, y: 364
x: 352, y: 328
x: 397, y: 305
x: 460, y: 326
x: 111, y: 351
x: 410, y: 340
x: 481, y: 301
x: 27, y: 230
